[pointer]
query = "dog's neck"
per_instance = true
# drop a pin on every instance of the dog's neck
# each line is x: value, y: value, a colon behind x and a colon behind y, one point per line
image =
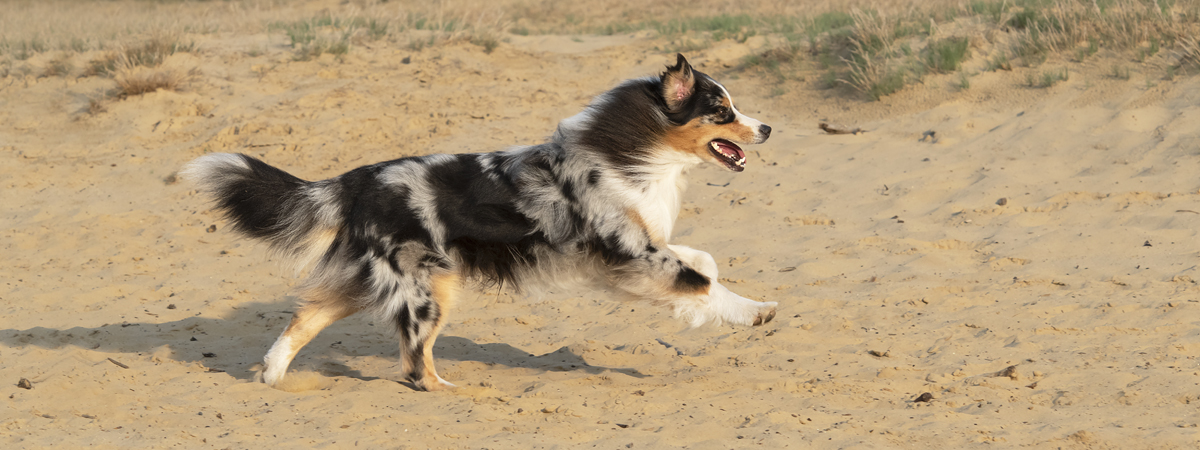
x: 653, y: 188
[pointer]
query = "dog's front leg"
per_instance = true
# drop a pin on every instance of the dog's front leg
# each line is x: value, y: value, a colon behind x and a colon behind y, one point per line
x: 719, y: 304
x: 685, y: 280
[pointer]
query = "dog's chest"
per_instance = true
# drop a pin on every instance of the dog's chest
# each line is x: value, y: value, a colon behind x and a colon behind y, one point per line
x: 658, y: 203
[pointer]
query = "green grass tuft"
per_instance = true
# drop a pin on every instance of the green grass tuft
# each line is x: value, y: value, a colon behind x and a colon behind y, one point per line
x: 487, y: 41
x: 1046, y: 78
x: 999, y: 62
x: 1121, y: 72
x: 947, y: 55
x: 1091, y: 49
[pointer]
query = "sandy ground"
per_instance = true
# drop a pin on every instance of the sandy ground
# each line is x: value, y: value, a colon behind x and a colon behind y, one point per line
x: 1033, y: 268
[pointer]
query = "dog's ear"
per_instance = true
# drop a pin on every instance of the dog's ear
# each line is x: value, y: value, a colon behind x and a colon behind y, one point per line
x: 678, y: 83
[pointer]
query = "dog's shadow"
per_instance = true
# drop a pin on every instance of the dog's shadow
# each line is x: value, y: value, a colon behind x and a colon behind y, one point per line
x: 236, y: 344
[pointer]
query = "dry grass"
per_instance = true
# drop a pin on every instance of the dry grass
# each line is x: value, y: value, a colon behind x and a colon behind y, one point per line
x: 871, y: 46
x: 1189, y: 53
x: 141, y: 80
x: 95, y: 106
x: 60, y: 66
x: 150, y: 52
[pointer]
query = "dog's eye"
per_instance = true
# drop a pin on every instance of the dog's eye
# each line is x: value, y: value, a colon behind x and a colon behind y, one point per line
x: 722, y: 111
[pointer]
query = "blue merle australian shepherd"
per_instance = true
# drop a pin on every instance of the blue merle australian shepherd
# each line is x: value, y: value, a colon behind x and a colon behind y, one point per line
x: 596, y: 204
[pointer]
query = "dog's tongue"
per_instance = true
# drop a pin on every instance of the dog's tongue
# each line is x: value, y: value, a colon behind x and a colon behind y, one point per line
x: 730, y: 150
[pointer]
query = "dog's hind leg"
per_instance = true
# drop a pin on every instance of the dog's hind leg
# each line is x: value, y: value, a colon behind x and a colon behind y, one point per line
x: 419, y: 326
x: 318, y: 312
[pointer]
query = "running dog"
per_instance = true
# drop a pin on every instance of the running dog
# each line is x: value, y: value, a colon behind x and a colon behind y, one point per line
x: 596, y: 204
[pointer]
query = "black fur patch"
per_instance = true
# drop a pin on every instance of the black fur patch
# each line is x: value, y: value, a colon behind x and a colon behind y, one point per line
x: 424, y: 311
x: 689, y: 280
x: 610, y: 250
x: 416, y: 373
x: 405, y: 325
x: 476, y: 206
x: 259, y: 199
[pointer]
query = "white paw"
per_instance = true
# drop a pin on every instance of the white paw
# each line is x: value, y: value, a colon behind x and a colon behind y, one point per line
x: 272, y: 377
x: 723, y: 306
x: 766, y: 312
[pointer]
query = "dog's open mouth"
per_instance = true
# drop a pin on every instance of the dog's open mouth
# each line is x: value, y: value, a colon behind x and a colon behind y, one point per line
x: 729, y: 154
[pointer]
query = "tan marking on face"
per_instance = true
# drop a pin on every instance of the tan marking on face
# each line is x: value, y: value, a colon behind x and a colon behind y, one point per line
x: 745, y: 134
x: 693, y: 137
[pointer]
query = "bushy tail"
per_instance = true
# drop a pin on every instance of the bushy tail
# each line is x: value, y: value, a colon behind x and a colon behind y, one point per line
x: 264, y: 202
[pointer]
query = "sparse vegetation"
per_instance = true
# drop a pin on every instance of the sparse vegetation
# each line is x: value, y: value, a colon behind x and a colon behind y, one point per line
x: 26, y: 48
x: 95, y: 105
x: 1084, y: 52
x: 337, y: 46
x: 149, y: 53
x: 999, y: 62
x: 132, y: 80
x: 947, y: 55
x: 487, y: 41
x: 872, y: 77
x: 377, y: 29
x: 1120, y: 72
x: 869, y: 51
x: 1046, y: 78
x: 60, y: 66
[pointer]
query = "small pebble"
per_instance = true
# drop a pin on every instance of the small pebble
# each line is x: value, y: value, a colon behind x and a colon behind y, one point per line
x: 926, y: 397
x: 1003, y: 201
x: 25, y: 384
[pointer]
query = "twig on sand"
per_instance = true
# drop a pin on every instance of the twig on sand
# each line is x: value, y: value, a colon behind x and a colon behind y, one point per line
x: 833, y: 128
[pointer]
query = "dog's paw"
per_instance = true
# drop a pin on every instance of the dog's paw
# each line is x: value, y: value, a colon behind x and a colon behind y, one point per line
x: 723, y: 306
x: 271, y: 377
x: 437, y: 384
x: 766, y: 312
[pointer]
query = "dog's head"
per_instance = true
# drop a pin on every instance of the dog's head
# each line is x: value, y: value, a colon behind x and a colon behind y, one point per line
x: 704, y: 120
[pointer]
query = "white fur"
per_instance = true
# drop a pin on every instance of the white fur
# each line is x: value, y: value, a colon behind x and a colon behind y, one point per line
x: 213, y: 169
x: 659, y: 204
x: 744, y: 120
x: 277, y: 360
x: 719, y: 305
x: 412, y: 175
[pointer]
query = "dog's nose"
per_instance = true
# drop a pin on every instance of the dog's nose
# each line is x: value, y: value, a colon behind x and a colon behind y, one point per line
x: 765, y: 131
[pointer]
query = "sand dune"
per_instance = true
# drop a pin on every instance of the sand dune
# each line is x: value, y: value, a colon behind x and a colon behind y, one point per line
x: 1033, y: 265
